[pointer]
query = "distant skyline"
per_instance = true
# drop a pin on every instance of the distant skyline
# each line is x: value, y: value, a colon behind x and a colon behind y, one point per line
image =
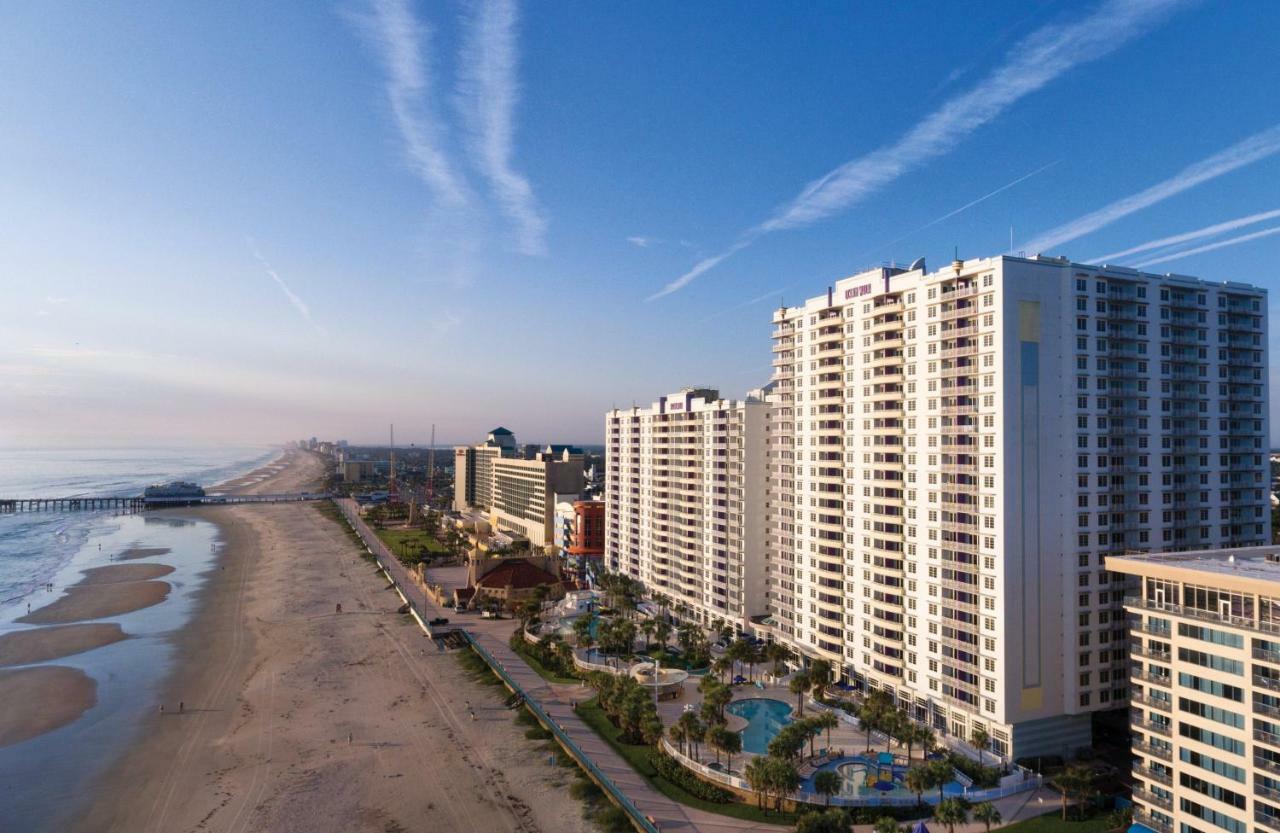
x: 248, y: 223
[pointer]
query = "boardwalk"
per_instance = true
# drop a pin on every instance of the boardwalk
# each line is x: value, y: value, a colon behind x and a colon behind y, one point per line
x: 557, y: 701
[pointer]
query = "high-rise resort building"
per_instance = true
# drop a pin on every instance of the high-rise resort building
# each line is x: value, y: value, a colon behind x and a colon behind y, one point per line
x: 684, y: 490
x: 1205, y: 689
x: 516, y: 494
x: 952, y: 456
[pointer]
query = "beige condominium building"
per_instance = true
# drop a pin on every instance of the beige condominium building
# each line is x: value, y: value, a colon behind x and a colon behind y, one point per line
x: 684, y: 489
x: 517, y: 493
x: 1205, y: 689
x: 953, y: 454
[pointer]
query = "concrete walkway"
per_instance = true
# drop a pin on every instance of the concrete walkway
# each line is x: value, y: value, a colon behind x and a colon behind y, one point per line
x: 557, y: 700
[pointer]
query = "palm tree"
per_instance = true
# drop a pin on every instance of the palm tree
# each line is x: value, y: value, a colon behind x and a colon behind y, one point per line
x: 693, y: 730
x: 942, y: 775
x: 721, y: 667
x: 1074, y: 781
x: 784, y: 778
x: 919, y: 779
x: 648, y: 626
x: 757, y: 775
x: 677, y: 734
x: 828, y: 721
x: 730, y: 743
x: 799, y: 685
x: 827, y: 783
x: 981, y: 740
x: 952, y: 811
x: 819, y: 676
x: 886, y: 824
x: 987, y: 814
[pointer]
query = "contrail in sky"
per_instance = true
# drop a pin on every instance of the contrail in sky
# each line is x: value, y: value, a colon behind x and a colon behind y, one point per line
x: 298, y: 303
x: 1221, y: 244
x: 487, y: 95
x: 1030, y: 64
x: 1258, y: 146
x: 400, y: 40
x: 1207, y: 231
x: 971, y: 204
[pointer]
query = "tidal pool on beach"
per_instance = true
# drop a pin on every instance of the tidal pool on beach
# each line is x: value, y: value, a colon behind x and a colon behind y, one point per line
x: 44, y: 778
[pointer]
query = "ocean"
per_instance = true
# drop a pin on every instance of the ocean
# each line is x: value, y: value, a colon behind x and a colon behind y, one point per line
x: 45, y: 780
x: 34, y: 547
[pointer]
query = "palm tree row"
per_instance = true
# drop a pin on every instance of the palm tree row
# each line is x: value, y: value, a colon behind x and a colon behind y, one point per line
x: 628, y: 706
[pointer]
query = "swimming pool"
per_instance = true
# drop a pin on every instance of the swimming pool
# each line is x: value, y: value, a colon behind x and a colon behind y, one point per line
x: 566, y: 627
x: 877, y: 775
x: 765, y: 718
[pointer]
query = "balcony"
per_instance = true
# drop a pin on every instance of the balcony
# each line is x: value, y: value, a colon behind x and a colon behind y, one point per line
x: 1152, y: 822
x: 1153, y: 751
x: 1148, y: 774
x: 1148, y: 797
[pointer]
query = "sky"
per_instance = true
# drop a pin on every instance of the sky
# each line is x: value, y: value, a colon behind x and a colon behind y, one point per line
x: 251, y: 222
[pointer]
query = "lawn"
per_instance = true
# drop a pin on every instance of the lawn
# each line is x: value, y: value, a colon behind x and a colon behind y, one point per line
x: 638, y: 758
x: 1053, y: 823
x: 412, y: 541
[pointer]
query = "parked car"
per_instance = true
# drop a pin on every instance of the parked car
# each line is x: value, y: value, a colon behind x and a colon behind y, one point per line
x: 439, y: 620
x: 491, y: 614
x: 739, y: 680
x: 690, y: 707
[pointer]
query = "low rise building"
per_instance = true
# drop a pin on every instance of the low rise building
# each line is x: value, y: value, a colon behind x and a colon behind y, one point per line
x: 517, y: 492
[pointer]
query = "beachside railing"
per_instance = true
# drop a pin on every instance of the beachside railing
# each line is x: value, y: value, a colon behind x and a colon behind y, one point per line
x: 640, y: 819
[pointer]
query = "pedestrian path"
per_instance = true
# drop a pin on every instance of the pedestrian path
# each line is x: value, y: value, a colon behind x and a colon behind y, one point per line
x: 557, y: 702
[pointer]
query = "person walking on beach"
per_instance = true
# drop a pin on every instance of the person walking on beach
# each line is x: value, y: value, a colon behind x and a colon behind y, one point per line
x: 181, y: 706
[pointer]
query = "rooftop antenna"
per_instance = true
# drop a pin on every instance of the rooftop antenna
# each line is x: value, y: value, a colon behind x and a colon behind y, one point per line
x: 431, y: 466
x: 393, y: 489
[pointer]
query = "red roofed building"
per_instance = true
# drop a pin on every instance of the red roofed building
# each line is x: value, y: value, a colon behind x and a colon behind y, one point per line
x: 511, y: 580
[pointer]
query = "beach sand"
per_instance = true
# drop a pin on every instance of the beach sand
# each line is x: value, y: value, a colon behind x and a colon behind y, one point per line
x: 115, y: 573
x: 97, y: 601
x: 300, y: 719
x: 40, y: 699
x: 43, y: 644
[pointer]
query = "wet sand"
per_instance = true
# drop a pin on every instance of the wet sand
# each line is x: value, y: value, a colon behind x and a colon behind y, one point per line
x: 43, y: 644
x: 97, y: 601
x: 141, y: 552
x: 116, y: 573
x: 38, y: 700
x: 302, y: 720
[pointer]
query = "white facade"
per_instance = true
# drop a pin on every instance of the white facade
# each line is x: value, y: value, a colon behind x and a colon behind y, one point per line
x: 952, y: 455
x: 682, y: 483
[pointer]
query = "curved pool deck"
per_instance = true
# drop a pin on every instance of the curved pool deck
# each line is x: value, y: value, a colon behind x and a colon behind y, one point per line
x: 765, y: 717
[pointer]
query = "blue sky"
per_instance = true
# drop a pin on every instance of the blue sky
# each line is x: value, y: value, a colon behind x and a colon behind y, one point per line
x: 248, y: 222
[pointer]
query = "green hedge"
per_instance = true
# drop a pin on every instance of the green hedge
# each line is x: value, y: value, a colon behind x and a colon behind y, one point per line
x: 670, y: 769
x: 983, y: 777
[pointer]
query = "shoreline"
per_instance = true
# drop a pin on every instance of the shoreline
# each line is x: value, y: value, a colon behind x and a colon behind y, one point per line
x: 201, y: 663
x: 298, y: 719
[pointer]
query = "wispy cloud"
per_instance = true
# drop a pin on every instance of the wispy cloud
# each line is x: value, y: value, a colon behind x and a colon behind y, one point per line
x: 642, y: 242
x: 487, y: 95
x: 298, y: 303
x: 1030, y: 64
x: 1207, y: 231
x: 1257, y: 146
x: 54, y: 300
x: 1221, y: 244
x: 401, y: 40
